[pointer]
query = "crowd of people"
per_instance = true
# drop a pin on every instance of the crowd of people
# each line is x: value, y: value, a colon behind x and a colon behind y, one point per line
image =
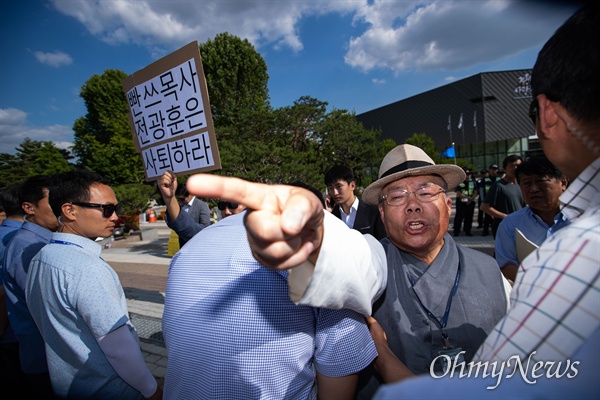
x: 300, y: 295
x: 65, y: 305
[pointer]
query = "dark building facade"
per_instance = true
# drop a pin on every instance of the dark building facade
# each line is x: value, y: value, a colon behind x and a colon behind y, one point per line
x: 493, y: 107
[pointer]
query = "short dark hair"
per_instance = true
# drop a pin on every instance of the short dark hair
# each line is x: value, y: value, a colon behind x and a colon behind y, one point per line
x: 73, y: 187
x: 316, y: 191
x: 511, y: 159
x: 9, y: 199
x: 181, y: 192
x: 338, y: 172
x: 538, y: 165
x: 32, y: 190
x: 566, y: 69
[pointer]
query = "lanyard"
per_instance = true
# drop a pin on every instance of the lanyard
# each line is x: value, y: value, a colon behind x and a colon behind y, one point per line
x: 64, y: 243
x: 444, y: 321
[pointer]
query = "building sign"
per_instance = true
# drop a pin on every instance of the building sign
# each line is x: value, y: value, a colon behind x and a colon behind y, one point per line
x: 523, y: 88
x: 170, y: 117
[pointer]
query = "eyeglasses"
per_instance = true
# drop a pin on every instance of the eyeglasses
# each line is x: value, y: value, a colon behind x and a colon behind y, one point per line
x: 424, y: 195
x: 533, y: 110
x: 107, y: 209
x: 225, y: 204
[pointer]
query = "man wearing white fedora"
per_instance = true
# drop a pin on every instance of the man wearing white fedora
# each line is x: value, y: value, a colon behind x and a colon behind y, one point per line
x: 441, y: 298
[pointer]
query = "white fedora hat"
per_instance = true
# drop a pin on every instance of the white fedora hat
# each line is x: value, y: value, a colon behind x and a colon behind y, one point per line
x: 408, y: 160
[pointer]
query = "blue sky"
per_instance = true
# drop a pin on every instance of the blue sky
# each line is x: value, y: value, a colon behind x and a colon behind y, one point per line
x: 355, y: 55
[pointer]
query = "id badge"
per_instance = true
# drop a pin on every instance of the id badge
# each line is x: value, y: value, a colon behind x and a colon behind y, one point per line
x: 453, y: 357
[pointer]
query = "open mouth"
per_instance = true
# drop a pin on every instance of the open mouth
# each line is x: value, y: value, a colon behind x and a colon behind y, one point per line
x: 415, y: 227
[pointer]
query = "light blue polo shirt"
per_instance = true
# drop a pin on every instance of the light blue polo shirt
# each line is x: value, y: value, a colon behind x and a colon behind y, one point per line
x: 75, y: 298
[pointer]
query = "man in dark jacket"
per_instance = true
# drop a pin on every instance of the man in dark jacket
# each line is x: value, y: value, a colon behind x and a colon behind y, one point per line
x: 355, y: 213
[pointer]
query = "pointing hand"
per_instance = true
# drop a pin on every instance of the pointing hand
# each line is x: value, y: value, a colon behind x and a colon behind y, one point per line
x: 284, y: 223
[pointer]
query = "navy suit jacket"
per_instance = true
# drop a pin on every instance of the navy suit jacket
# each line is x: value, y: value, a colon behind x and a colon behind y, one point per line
x: 199, y: 218
x: 367, y: 220
x: 200, y: 212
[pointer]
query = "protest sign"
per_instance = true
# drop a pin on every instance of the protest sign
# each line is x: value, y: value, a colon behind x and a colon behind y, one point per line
x: 170, y: 117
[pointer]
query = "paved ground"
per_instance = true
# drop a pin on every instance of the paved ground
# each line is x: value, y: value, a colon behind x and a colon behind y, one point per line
x: 142, y: 266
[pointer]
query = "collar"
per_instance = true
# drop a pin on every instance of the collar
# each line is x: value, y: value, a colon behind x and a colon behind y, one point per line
x: 354, y: 206
x: 86, y: 244
x: 583, y: 192
x: 560, y: 217
x: 37, y: 229
x: 11, y: 223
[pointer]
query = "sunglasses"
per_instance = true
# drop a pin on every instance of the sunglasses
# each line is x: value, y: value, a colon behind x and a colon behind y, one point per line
x: 107, y: 209
x: 533, y: 110
x: 225, y: 204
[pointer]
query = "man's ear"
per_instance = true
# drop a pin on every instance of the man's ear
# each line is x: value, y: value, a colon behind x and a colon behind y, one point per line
x: 68, y: 212
x: 28, y: 207
x: 548, y: 116
x: 449, y: 203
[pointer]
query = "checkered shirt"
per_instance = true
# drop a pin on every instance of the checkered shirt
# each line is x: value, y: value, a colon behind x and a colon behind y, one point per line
x: 555, y: 304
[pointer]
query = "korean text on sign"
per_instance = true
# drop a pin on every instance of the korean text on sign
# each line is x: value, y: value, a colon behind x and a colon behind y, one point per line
x: 181, y: 155
x: 167, y: 106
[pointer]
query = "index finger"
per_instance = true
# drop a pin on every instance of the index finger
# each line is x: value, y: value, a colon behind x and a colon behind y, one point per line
x: 235, y: 190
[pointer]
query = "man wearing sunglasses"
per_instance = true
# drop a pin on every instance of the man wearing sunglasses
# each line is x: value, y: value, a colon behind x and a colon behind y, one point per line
x: 227, y: 208
x: 78, y: 303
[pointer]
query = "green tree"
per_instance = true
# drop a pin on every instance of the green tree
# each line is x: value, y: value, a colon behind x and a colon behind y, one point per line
x: 244, y: 146
x: 344, y: 141
x: 236, y: 76
x: 372, y: 170
x: 33, y: 158
x: 300, y: 122
x: 426, y: 143
x: 271, y: 146
x: 103, y: 141
x: 299, y: 143
x: 135, y: 197
x: 10, y: 171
